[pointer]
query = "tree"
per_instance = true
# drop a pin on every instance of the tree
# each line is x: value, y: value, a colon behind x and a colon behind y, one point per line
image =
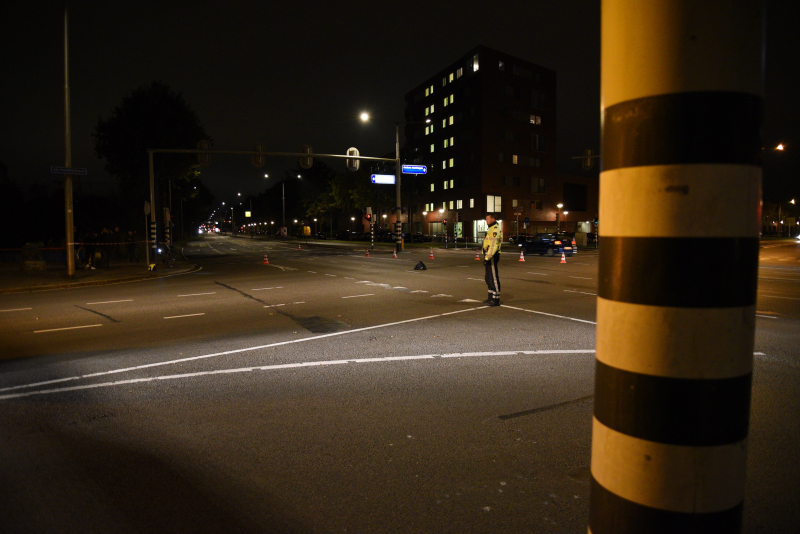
x: 153, y: 116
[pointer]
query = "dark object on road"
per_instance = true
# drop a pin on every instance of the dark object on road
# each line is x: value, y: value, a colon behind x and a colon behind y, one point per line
x: 420, y: 267
x: 550, y: 244
x: 492, y: 302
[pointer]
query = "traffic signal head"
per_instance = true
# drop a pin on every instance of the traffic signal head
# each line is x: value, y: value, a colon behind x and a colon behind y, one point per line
x: 368, y: 216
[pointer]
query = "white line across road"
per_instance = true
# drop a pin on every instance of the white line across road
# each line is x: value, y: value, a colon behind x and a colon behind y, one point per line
x: 582, y: 277
x: 282, y: 366
x: 234, y: 351
x: 198, y: 294
x: 476, y: 279
x: 548, y: 314
x: 777, y: 297
x: 541, y: 274
x: 766, y: 316
x: 356, y: 296
x: 66, y: 328
x: 265, y: 288
x: 187, y: 315
x: 581, y: 292
x: 109, y: 302
x: 15, y: 309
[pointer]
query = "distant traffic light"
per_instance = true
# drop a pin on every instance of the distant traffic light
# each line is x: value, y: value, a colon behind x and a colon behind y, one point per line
x: 368, y: 217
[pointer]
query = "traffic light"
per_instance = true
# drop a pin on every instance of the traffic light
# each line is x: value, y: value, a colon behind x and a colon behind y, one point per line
x: 444, y: 221
x: 368, y: 217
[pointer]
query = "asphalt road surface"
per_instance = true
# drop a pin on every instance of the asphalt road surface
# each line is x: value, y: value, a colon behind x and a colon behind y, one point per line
x: 332, y: 392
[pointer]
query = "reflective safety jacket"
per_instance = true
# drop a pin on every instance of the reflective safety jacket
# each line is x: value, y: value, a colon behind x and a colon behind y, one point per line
x: 492, y: 241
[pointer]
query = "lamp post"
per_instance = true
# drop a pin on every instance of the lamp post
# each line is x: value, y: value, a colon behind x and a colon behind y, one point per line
x: 315, y: 227
x: 352, y: 220
x: 558, y: 216
x: 398, y: 226
x: 283, y: 199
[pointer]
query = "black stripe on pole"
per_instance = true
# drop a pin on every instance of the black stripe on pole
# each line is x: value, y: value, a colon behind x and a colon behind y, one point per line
x: 611, y: 514
x: 681, y: 128
x: 675, y: 411
x: 654, y: 271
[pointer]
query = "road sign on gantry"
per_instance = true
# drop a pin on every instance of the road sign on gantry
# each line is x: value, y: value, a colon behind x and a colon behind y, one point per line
x: 352, y: 164
x: 306, y: 161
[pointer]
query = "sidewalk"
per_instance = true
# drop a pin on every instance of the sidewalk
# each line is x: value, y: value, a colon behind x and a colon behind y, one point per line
x: 13, y: 280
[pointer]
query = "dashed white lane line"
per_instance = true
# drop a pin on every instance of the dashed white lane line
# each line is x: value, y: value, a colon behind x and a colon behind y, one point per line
x: 331, y: 275
x: 541, y: 274
x: 356, y: 296
x: 440, y: 295
x: 187, y: 315
x: 224, y: 353
x: 198, y: 294
x: 274, y: 305
x: 15, y: 309
x: 109, y: 302
x: 66, y: 328
x: 582, y: 277
x: 581, y: 292
x: 548, y: 314
x: 766, y: 296
x: 276, y: 367
x: 313, y: 272
x: 766, y: 316
x: 476, y: 279
x: 266, y: 288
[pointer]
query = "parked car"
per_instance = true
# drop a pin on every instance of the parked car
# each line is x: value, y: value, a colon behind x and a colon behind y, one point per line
x: 550, y: 244
x: 320, y: 235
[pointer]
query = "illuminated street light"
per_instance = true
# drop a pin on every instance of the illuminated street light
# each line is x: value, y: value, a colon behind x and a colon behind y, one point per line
x: 779, y: 147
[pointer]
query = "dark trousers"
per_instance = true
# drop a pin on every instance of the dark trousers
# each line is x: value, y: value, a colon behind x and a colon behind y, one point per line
x: 493, y: 277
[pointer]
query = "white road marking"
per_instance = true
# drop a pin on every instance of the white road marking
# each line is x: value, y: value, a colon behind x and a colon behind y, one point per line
x: 276, y: 367
x: 198, y: 294
x: 15, y: 309
x: 476, y: 279
x: 331, y: 275
x: 399, y: 287
x: 772, y: 297
x: 419, y: 291
x: 548, y: 314
x: 542, y: 274
x: 356, y: 296
x: 188, y: 315
x: 348, y: 278
x: 109, y: 302
x: 468, y: 300
x: 582, y: 277
x: 766, y: 316
x: 274, y: 305
x: 440, y: 295
x: 581, y: 292
x: 364, y: 282
x: 66, y: 328
x: 216, y: 354
x: 264, y: 288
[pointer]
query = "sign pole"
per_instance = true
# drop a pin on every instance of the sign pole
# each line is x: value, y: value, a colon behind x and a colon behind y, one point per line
x: 70, y: 229
x: 398, y: 226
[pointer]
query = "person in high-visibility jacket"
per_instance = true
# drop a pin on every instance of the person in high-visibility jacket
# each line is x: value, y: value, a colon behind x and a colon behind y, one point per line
x: 491, y: 256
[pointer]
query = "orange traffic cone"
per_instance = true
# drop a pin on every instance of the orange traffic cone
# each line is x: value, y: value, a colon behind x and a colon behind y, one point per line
x: 367, y: 254
x: 298, y: 247
x: 431, y: 255
x: 266, y: 261
x: 521, y: 256
x: 394, y: 254
x: 563, y: 258
x: 477, y: 256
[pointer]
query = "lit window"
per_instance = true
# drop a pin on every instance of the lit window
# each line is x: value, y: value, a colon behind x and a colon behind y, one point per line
x: 459, y: 72
x: 493, y: 203
x: 451, y: 120
x: 452, y: 75
x: 431, y: 89
x: 431, y: 128
x: 451, y: 163
x: 444, y: 123
x: 431, y: 187
x: 459, y: 204
x: 536, y: 119
x: 513, y: 159
x: 445, y: 184
x: 475, y: 63
x: 444, y: 205
x: 445, y: 143
x: 427, y: 130
x: 427, y: 110
x: 451, y: 181
x: 427, y: 92
x: 431, y: 147
x: 431, y: 108
x: 444, y: 82
x: 451, y: 99
x: 514, y: 203
x: 472, y: 203
x: 501, y: 66
x: 452, y: 141
x: 444, y: 163
x: 451, y: 204
x: 445, y: 101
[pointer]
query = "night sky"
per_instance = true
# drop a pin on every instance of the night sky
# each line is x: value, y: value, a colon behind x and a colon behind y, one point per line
x: 298, y: 72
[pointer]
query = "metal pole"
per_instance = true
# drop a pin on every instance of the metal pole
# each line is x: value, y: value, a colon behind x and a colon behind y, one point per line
x: 70, y: 228
x: 146, y: 243
x: 283, y: 199
x: 398, y: 226
x: 153, y: 236
x: 675, y: 333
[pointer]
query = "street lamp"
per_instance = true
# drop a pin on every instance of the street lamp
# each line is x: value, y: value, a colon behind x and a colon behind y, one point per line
x: 558, y: 216
x: 352, y: 220
x: 315, y: 227
x: 283, y: 197
x: 397, y: 171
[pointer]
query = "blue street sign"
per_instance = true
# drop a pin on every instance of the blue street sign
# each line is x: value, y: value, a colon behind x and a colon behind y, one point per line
x: 67, y: 170
x: 383, y: 178
x: 415, y: 169
x: 527, y: 220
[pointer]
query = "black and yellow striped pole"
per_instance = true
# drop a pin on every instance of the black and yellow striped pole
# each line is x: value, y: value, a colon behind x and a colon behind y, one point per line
x: 679, y: 201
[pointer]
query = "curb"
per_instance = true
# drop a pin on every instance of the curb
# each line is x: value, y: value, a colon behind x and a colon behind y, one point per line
x: 70, y: 285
